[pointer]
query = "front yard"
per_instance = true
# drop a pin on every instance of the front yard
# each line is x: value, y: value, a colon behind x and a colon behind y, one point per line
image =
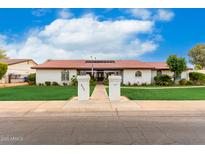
x: 38, y: 93
x: 191, y: 93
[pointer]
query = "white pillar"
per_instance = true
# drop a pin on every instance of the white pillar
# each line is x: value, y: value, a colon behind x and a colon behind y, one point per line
x: 114, y: 87
x: 83, y: 87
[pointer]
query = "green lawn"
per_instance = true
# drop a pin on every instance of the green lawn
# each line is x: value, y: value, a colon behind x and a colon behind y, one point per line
x: 164, y: 94
x: 38, y: 93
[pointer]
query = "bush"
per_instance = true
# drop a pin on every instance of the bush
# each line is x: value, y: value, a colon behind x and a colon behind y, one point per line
x: 106, y: 82
x: 65, y: 84
x: 144, y: 84
x: 93, y: 82
x: 47, y: 83
x: 183, y: 82
x: 163, y: 80
x: 197, y: 78
x: 55, y: 83
x: 189, y: 83
x: 74, y: 81
x: 3, y: 69
x: 135, y: 84
x: 30, y: 83
x: 32, y: 79
x: 40, y: 84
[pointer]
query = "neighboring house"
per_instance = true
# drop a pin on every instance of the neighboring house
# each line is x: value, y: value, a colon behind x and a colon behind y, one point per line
x: 132, y: 71
x: 18, y: 69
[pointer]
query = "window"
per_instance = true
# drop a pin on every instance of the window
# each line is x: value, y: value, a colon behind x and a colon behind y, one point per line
x: 65, y: 75
x: 159, y: 72
x: 138, y: 74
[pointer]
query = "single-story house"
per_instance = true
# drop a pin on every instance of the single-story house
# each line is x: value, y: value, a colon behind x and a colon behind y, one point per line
x: 132, y: 71
x: 18, y: 69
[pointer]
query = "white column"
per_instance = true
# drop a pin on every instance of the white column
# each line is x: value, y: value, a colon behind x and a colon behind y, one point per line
x: 114, y: 87
x: 83, y: 87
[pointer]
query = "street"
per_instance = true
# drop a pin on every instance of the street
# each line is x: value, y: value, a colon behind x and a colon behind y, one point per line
x: 137, y: 127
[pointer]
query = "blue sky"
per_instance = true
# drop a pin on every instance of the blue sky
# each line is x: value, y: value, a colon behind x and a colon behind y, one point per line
x: 144, y: 34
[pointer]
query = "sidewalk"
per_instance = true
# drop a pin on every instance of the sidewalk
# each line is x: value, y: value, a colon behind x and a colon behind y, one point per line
x: 99, y: 93
x: 48, y: 108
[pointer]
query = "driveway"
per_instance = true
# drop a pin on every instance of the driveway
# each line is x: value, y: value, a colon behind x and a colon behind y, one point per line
x: 3, y: 85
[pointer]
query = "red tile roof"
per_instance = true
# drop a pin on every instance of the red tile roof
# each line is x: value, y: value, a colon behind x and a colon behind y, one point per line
x: 100, y: 64
x: 159, y: 65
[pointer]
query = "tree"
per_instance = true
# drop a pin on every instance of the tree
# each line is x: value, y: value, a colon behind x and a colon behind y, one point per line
x: 176, y: 65
x: 3, y: 54
x: 3, y: 69
x: 197, y: 67
x: 197, y: 55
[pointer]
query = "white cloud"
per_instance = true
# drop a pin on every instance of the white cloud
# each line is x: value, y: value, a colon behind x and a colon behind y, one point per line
x: 65, y: 13
x: 79, y: 38
x: 89, y: 15
x: 140, y: 13
x: 151, y: 14
x: 39, y: 12
x: 164, y: 15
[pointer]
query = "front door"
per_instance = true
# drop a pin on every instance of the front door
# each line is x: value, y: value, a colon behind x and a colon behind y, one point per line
x: 100, y: 76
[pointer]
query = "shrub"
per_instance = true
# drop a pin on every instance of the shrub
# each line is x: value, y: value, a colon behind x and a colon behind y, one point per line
x: 32, y: 79
x: 55, y: 83
x: 122, y: 84
x: 74, y: 81
x: 30, y: 83
x: 197, y: 78
x: 163, y: 80
x: 144, y: 84
x: 65, y: 84
x: 3, y: 69
x: 40, y: 84
x: 47, y: 83
x: 183, y: 82
x: 135, y: 84
x: 93, y: 82
x: 106, y: 82
x: 198, y: 67
x: 189, y: 83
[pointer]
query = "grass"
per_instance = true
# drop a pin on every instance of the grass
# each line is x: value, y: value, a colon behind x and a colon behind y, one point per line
x: 38, y: 93
x: 164, y: 94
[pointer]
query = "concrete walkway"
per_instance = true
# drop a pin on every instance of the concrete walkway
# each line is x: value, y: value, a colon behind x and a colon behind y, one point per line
x: 99, y: 93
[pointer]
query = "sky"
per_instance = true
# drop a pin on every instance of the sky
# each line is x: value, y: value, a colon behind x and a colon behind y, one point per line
x: 142, y: 34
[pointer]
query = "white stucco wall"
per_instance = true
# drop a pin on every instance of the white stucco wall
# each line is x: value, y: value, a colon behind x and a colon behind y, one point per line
x: 184, y: 75
x: 147, y: 76
x: 43, y: 75
x: 153, y: 74
x: 72, y: 73
x: 129, y: 77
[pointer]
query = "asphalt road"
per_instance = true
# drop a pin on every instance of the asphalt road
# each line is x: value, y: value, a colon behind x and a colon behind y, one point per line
x: 151, y: 127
